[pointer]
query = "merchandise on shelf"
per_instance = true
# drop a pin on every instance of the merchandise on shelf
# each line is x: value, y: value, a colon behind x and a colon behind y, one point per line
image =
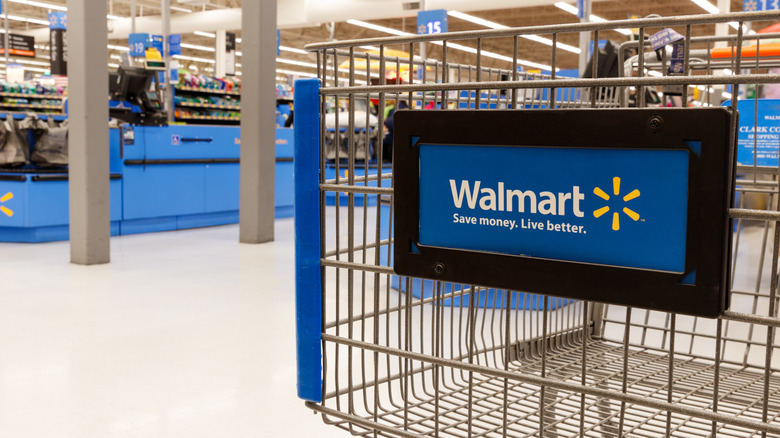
x: 26, y: 97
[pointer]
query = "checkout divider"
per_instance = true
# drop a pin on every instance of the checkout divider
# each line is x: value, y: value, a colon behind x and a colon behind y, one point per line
x: 162, y: 178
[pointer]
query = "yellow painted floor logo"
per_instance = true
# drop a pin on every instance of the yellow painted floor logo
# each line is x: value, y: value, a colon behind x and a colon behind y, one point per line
x: 7, y: 197
x: 615, y: 215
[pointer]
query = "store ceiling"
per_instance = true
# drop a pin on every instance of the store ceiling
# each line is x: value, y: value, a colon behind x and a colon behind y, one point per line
x: 30, y: 15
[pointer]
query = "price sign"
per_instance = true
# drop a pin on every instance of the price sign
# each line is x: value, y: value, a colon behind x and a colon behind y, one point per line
x: 434, y: 21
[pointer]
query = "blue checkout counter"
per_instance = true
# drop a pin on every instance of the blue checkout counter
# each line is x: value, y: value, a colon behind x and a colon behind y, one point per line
x: 162, y: 178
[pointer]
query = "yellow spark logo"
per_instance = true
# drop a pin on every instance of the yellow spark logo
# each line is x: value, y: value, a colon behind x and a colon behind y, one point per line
x: 7, y: 197
x: 615, y: 215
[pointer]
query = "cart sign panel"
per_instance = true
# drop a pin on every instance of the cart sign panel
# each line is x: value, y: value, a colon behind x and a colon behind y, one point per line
x: 619, y: 206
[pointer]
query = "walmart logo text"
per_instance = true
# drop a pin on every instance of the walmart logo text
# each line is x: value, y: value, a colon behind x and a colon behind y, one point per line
x: 501, y: 199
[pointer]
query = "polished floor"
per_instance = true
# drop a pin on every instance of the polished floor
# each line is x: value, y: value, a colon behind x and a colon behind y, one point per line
x: 185, y: 334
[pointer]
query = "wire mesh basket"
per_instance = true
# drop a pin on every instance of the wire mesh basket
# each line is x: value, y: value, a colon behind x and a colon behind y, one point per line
x: 388, y: 355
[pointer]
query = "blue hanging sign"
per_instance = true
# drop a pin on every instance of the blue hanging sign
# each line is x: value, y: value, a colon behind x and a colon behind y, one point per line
x: 554, y: 202
x: 58, y: 20
x: 758, y: 141
x: 760, y: 5
x: 138, y: 43
x: 433, y: 21
x: 582, y: 6
x: 174, y: 43
x: 156, y: 42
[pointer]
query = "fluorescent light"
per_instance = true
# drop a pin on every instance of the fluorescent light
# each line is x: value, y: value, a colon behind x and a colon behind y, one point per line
x: 238, y: 40
x: 294, y: 50
x: 312, y: 65
x: 314, y: 75
x: 595, y: 18
x: 707, y: 6
x: 177, y: 8
x: 494, y: 25
x: 197, y: 47
x: 115, y: 57
x: 193, y: 58
x: 370, y: 48
x: 294, y: 62
x: 120, y: 48
x: 115, y: 17
x: 26, y: 19
x: 378, y: 28
x: 205, y: 34
x: 112, y: 65
x: 450, y: 45
x: 53, y: 7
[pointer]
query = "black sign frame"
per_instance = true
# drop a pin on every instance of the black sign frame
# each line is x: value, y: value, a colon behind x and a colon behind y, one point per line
x: 710, y: 194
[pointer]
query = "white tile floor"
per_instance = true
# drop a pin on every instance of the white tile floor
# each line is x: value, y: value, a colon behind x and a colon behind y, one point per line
x: 185, y: 334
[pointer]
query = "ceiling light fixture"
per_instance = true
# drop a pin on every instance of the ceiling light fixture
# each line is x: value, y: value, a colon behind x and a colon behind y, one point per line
x: 197, y: 47
x: 294, y: 50
x: 494, y: 25
x: 450, y: 45
x: 53, y: 7
x: 573, y: 10
x: 205, y: 34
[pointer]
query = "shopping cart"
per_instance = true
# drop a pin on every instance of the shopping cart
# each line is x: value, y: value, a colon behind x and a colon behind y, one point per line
x: 387, y: 355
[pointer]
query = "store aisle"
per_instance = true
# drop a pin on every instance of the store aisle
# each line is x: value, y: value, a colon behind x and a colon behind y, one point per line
x: 185, y: 334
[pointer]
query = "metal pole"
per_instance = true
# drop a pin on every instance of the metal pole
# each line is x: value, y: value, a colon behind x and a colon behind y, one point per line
x: 6, y: 38
x: 132, y: 16
x: 220, y: 53
x: 90, y: 222
x: 166, y: 19
x: 584, y: 37
x: 258, y: 111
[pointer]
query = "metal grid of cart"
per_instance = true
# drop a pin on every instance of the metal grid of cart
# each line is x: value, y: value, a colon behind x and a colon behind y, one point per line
x: 412, y: 358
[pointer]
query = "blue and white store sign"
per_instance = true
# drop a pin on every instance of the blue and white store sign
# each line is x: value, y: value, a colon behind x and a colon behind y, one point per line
x: 759, y: 132
x: 433, y: 21
x: 551, y: 202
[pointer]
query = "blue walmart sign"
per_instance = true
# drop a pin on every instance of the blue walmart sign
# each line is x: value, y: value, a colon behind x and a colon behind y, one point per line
x: 619, y: 207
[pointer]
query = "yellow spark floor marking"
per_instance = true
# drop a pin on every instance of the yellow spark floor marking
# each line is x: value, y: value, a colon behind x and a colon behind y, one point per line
x: 600, y: 193
x: 616, y: 185
x: 632, y: 214
x: 7, y: 211
x: 600, y: 212
x: 615, y: 221
x: 632, y: 195
x: 7, y: 197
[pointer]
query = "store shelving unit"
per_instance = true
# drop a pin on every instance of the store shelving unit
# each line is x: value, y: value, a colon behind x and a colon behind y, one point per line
x: 36, y: 103
x: 206, y: 117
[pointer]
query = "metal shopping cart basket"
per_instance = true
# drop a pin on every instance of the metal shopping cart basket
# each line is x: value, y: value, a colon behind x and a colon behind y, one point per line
x: 388, y: 346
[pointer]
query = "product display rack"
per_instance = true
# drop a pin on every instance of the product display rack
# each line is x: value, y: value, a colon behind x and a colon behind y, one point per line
x: 197, y: 106
x: 37, y: 102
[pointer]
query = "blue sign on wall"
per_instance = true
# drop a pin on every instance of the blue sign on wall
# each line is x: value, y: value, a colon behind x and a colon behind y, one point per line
x: 138, y: 43
x: 758, y: 137
x: 58, y: 20
x: 582, y: 6
x: 174, y: 42
x: 618, y: 207
x: 760, y: 5
x: 434, y: 21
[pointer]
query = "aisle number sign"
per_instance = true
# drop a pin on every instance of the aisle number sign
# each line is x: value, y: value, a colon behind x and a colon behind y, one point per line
x: 434, y: 21
x: 138, y: 43
x: 760, y: 5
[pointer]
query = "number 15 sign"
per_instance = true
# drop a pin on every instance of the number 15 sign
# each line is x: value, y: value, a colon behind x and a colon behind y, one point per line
x: 434, y: 21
